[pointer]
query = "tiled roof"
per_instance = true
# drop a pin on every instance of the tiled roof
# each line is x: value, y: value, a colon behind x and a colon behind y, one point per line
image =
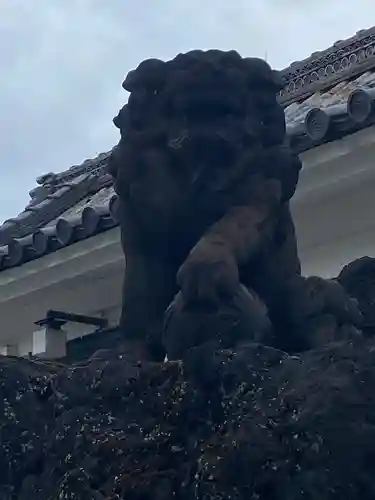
x: 332, y: 113
x: 60, y: 213
x: 345, y: 59
x: 327, y: 96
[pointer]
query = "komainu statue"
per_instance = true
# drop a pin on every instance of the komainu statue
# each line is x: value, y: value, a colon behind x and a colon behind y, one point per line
x: 204, y: 178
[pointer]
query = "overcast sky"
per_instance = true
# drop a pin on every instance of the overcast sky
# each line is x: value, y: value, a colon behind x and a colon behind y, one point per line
x: 62, y: 63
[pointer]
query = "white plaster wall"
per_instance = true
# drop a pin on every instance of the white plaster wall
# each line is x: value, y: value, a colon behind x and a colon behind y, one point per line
x: 25, y: 345
x: 334, y: 210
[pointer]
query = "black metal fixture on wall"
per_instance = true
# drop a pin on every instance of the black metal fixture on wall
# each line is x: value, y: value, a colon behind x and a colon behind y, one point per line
x: 56, y: 319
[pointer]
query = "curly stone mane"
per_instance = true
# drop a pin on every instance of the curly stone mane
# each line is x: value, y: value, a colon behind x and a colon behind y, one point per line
x: 204, y: 118
x: 204, y: 177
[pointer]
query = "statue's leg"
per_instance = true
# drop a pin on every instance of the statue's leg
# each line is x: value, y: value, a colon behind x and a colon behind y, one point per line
x: 312, y: 312
x: 149, y: 286
x: 305, y: 312
x: 271, y: 273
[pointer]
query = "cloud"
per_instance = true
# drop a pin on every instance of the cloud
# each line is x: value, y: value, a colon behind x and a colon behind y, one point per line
x: 62, y: 64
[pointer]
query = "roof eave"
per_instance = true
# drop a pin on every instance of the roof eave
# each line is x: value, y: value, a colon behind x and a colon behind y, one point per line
x: 65, y: 264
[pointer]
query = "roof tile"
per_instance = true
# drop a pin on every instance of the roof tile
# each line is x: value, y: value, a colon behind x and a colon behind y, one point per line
x: 344, y: 60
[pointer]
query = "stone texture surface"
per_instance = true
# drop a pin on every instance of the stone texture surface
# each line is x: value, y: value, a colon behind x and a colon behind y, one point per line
x: 358, y: 279
x: 252, y: 424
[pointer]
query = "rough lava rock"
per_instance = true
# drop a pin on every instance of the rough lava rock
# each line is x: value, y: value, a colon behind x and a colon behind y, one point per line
x: 252, y: 424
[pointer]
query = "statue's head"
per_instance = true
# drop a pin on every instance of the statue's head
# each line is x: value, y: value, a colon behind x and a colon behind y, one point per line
x: 194, y: 117
x: 214, y: 97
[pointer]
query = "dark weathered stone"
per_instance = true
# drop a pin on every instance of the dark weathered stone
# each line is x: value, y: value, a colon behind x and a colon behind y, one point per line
x: 242, y: 319
x: 204, y: 179
x: 254, y: 423
x: 358, y: 279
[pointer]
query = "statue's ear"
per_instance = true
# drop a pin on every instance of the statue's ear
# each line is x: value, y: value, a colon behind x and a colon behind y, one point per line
x: 121, y: 121
x: 112, y: 164
x: 116, y: 121
x: 278, y: 80
x: 260, y: 74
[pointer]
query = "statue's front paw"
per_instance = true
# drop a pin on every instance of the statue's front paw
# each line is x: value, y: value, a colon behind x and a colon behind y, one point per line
x: 209, y: 274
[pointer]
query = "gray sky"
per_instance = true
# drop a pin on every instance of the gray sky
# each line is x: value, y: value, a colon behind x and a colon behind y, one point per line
x: 63, y: 62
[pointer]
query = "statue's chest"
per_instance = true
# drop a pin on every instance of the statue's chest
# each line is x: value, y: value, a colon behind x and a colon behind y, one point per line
x: 213, y: 202
x: 201, y: 209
